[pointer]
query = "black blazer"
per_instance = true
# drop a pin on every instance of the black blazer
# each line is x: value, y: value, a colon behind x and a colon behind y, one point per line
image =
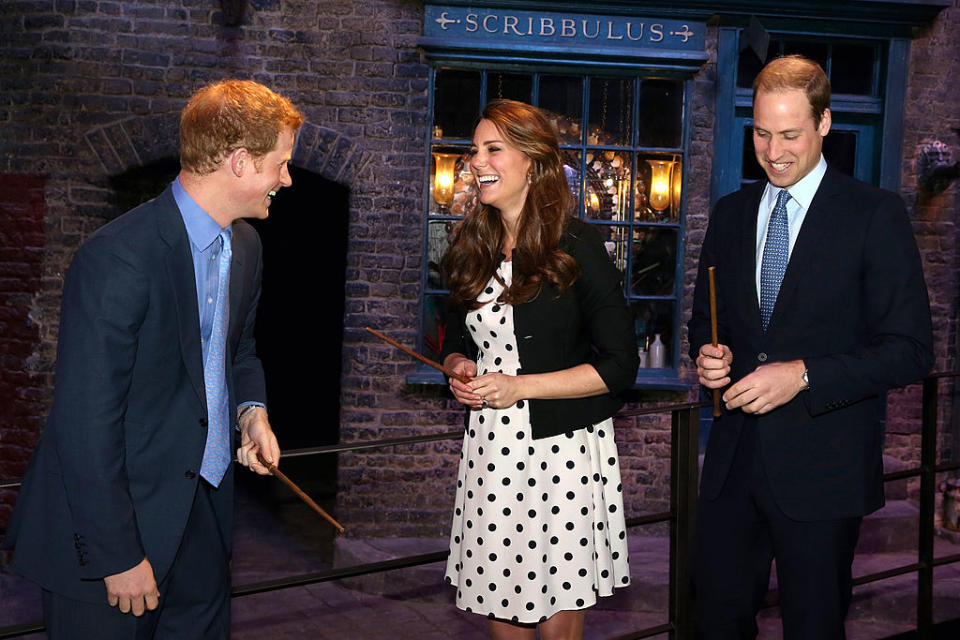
x: 853, y: 305
x: 113, y: 476
x: 590, y: 324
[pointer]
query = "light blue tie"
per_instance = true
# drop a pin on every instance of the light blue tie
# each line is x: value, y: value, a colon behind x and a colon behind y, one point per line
x: 776, y: 254
x: 216, y: 453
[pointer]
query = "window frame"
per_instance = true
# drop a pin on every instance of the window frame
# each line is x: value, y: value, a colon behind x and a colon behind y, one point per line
x: 879, y: 164
x: 666, y: 378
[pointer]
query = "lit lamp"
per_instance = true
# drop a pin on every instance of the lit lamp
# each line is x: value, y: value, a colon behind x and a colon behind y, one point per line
x: 443, y: 166
x: 594, y: 202
x: 660, y: 186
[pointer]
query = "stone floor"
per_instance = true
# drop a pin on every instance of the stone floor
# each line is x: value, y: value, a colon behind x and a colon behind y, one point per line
x: 276, y: 536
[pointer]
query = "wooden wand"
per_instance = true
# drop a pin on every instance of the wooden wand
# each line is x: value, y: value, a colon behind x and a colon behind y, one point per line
x: 297, y: 490
x: 713, y: 332
x: 436, y: 365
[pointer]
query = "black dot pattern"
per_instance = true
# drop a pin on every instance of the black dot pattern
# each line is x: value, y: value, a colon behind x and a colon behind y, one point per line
x: 558, y: 541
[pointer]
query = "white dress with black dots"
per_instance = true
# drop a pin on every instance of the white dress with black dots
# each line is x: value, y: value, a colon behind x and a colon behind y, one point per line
x: 538, y: 525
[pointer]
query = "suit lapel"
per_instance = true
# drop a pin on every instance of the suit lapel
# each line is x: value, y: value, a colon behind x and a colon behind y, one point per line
x: 184, y: 285
x: 236, y: 290
x: 817, y: 224
x: 748, y: 252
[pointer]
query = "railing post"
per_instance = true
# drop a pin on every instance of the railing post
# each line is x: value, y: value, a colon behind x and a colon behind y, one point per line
x: 928, y: 460
x: 685, y: 436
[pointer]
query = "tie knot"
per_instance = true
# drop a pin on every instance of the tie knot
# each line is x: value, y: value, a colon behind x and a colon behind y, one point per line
x: 782, y: 198
x: 225, y: 237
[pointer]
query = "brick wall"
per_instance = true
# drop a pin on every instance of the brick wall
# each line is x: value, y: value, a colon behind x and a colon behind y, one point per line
x: 23, y: 385
x: 932, y: 113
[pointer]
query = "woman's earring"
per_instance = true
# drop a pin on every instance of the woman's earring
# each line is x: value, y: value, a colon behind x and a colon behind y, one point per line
x: 529, y: 178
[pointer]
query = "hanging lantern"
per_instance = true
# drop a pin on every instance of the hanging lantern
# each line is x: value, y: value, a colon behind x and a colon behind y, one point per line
x: 443, y: 180
x: 660, y: 187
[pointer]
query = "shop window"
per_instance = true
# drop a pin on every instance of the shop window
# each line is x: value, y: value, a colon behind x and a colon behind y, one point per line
x: 622, y: 140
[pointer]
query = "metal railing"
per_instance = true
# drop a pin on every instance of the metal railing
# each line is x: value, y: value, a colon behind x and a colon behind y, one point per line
x: 685, y: 423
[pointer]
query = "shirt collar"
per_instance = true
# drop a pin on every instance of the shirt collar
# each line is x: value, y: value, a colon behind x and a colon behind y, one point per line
x: 803, y: 190
x: 201, y: 228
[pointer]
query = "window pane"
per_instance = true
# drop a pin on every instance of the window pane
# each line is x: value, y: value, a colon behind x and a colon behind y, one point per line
x: 607, y: 195
x: 611, y: 111
x: 852, y: 69
x: 562, y: 96
x: 816, y: 51
x: 456, y: 103
x: 749, y: 65
x: 615, y: 240
x: 571, y: 166
x: 840, y: 150
x: 509, y: 86
x: 452, y: 190
x: 434, y: 325
x: 661, y: 113
x: 656, y: 196
x: 439, y: 239
x: 654, y: 261
x: 650, y: 319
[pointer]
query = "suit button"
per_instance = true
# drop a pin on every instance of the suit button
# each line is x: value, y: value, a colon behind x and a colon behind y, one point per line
x: 203, y: 422
x: 189, y: 475
x: 762, y: 357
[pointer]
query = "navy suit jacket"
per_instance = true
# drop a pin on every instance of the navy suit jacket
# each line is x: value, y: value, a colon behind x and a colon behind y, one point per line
x: 113, y: 476
x: 853, y: 306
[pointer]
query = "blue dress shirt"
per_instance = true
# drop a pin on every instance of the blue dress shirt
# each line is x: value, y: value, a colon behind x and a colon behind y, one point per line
x: 801, y: 196
x: 204, y: 234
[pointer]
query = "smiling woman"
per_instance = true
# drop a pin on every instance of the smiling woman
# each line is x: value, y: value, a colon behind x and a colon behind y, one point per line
x: 540, y: 332
x: 503, y: 175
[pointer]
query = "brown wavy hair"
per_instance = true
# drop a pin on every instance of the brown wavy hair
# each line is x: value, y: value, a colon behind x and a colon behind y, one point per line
x: 475, y: 247
x: 228, y: 115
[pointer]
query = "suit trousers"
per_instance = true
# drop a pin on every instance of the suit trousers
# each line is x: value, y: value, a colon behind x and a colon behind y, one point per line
x: 738, y: 536
x: 194, y: 595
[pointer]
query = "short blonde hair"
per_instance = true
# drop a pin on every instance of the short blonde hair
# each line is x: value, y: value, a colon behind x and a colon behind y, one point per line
x: 796, y: 72
x: 229, y: 115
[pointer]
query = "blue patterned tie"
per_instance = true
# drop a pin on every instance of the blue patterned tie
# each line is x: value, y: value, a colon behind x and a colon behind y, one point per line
x: 776, y: 253
x: 216, y: 453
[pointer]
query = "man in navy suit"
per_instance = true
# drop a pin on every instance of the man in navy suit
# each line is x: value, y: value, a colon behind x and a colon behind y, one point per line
x: 125, y: 514
x: 822, y: 307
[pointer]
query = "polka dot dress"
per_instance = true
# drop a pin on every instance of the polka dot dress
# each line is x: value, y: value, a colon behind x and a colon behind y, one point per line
x: 538, y: 525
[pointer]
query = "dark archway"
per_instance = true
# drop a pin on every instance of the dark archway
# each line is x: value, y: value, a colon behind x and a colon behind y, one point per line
x: 300, y: 318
